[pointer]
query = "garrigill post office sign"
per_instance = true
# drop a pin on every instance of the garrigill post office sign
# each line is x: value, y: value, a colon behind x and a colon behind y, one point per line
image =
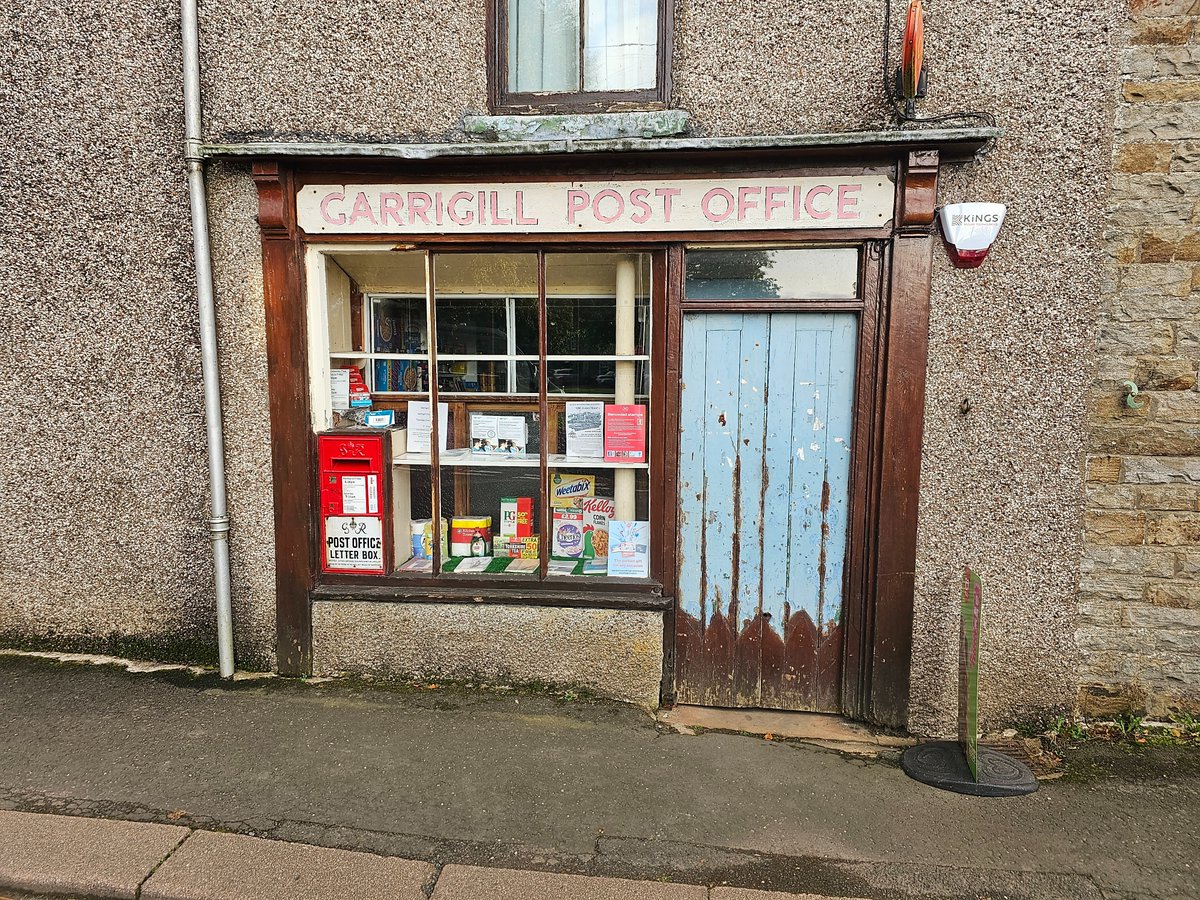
x: 596, y: 206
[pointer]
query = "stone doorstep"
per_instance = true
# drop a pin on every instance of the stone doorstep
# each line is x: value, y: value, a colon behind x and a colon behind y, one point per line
x: 73, y: 855
x: 824, y: 730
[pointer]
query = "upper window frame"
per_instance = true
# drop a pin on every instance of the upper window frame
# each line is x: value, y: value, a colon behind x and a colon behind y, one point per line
x: 502, y: 100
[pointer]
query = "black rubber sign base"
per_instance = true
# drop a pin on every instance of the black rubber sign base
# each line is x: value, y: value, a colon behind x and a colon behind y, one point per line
x: 942, y: 764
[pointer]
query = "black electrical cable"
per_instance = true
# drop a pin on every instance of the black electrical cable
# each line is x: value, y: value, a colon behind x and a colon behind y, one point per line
x: 889, y: 88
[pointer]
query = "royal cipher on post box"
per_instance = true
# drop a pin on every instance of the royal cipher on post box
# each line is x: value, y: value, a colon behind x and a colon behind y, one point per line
x: 355, y: 501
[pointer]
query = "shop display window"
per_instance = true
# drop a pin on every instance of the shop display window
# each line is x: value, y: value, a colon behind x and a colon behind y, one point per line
x: 536, y: 465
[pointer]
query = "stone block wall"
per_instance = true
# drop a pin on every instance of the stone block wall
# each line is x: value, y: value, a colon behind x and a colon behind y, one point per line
x: 1139, y: 628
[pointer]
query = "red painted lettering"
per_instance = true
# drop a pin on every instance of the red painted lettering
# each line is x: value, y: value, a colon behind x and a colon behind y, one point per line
x: 668, y: 195
x: 362, y: 210
x: 460, y: 218
x: 637, y: 197
x: 706, y: 205
x: 845, y: 201
x: 810, y: 202
x: 619, y: 209
x: 576, y: 200
x: 520, y: 205
x: 496, y: 220
x: 770, y: 204
x: 389, y: 207
x: 418, y: 206
x: 325, y: 201
x: 745, y: 201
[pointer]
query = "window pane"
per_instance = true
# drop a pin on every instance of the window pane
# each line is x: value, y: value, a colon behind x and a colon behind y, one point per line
x: 598, y: 325
x: 543, y: 45
x: 581, y: 303
x: 594, y: 377
x: 620, y: 46
x: 767, y: 274
x: 486, y: 305
x: 582, y: 509
x: 484, y: 503
x: 487, y: 376
x: 471, y: 325
x: 398, y: 324
x: 490, y: 485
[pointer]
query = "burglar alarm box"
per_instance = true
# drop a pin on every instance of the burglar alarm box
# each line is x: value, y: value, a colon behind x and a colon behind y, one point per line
x: 357, y: 528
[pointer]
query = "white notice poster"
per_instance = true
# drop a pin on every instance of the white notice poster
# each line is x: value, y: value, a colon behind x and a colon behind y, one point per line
x: 354, y: 495
x: 420, y: 423
x: 354, y: 544
x: 373, y: 494
x: 339, y: 389
x: 585, y: 430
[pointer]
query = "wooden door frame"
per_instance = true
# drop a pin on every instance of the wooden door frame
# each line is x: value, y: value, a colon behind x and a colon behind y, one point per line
x: 889, y: 416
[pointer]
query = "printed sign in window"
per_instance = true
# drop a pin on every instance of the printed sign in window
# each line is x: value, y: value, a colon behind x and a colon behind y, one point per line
x: 352, y: 543
x: 354, y: 495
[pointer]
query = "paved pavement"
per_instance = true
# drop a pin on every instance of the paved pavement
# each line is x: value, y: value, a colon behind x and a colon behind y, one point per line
x: 478, y: 785
x: 66, y: 855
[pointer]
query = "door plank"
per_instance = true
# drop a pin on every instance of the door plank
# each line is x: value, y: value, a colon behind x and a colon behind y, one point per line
x: 746, y: 587
x: 837, y: 436
x: 692, y: 615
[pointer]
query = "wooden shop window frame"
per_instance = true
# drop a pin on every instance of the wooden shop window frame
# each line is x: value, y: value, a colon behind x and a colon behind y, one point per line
x: 889, y: 406
x: 502, y: 100
x: 564, y: 588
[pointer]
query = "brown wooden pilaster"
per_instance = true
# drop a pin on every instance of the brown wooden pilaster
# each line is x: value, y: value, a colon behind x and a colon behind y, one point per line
x: 907, y: 331
x: 292, y: 453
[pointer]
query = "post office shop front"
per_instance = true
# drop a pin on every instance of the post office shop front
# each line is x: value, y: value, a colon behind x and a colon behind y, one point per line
x: 644, y: 420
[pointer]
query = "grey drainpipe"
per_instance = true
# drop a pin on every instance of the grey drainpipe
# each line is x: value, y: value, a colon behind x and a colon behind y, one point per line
x: 219, y: 522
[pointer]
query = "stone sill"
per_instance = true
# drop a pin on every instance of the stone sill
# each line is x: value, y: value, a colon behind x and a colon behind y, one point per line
x: 578, y: 126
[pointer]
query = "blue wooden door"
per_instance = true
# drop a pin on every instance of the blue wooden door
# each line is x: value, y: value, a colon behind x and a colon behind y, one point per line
x: 764, y: 468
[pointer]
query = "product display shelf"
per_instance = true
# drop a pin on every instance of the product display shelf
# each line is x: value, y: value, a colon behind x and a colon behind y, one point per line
x: 454, y: 458
x: 499, y: 565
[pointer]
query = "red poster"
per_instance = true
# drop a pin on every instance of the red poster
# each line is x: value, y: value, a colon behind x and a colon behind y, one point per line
x: 625, y: 433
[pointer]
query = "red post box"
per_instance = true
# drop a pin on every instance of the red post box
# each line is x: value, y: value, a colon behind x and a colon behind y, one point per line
x: 355, y: 499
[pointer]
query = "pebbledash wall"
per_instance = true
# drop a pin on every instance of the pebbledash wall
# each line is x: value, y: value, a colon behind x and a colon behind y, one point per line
x: 1139, y: 625
x: 107, y: 546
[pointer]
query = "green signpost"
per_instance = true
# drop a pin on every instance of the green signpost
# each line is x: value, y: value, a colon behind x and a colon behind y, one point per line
x: 968, y: 670
x: 963, y: 766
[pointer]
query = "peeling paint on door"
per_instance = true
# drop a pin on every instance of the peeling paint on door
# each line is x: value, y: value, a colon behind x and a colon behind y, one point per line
x: 764, y: 502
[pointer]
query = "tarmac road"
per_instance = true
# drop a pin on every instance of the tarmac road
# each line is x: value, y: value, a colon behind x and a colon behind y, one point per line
x: 452, y: 775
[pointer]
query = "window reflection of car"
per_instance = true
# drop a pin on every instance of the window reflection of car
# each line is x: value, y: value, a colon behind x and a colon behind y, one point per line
x: 464, y: 339
x: 607, y: 378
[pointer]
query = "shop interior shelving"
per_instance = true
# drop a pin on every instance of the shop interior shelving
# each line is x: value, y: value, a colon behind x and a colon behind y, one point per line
x: 465, y: 458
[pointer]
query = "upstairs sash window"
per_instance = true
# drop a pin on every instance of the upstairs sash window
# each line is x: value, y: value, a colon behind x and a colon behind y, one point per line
x: 556, y: 54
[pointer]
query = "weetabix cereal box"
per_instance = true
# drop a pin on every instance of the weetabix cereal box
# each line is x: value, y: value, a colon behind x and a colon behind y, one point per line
x: 566, y: 488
